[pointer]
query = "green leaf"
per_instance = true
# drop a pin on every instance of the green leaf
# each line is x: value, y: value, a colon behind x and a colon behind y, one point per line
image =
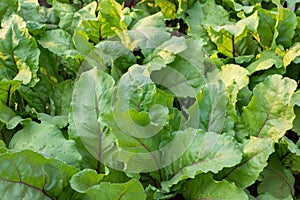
x: 132, y: 189
x: 296, y: 123
x: 9, y: 117
x: 85, y: 179
x: 202, y: 16
x: 110, y: 15
x: 210, y: 107
x: 205, y: 187
x: 70, y: 17
x: 32, y: 98
x: 255, y: 155
x: 7, y: 89
x: 59, y: 121
x: 168, y: 8
x: 266, y: 118
x: 266, y: 27
x: 62, y: 97
x: 155, y: 20
x: 290, y: 154
x: 208, y: 152
x: 232, y: 73
x: 7, y: 7
x: 28, y: 175
x: 265, y: 61
x: 291, y: 54
x: 32, y: 11
x: 47, y: 139
x: 277, y: 180
x: 296, y: 98
x: 3, y: 148
x: 207, y: 14
x: 87, y: 112
x: 269, y: 196
x: 286, y: 25
x: 89, y: 27
x: 59, y: 42
x: 19, y: 54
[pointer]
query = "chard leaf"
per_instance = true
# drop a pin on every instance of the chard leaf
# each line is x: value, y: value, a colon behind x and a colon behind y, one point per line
x: 277, y: 180
x: 32, y: 98
x: 290, y: 154
x: 62, y: 97
x: 209, y: 152
x: 98, y: 87
x: 266, y: 27
x: 3, y: 148
x: 28, y: 175
x: 168, y: 8
x: 232, y: 73
x: 286, y: 25
x: 7, y: 7
x: 201, y: 16
x: 132, y: 189
x: 9, y: 117
x: 110, y: 15
x: 90, y: 27
x: 269, y: 196
x: 211, y: 107
x: 70, y: 18
x: 59, y: 42
x: 291, y: 54
x: 19, y: 53
x: 31, y: 11
x: 266, y: 60
x: 266, y: 118
x: 155, y: 20
x: 205, y: 187
x: 48, y: 140
x: 7, y: 89
x: 255, y: 155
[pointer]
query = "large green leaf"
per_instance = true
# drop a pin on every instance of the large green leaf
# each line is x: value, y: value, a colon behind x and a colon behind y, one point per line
x: 208, y: 152
x: 270, y: 114
x: 255, y: 155
x: 47, y: 139
x: 19, y: 53
x: 59, y: 42
x: 205, y: 187
x: 87, y: 112
x: 89, y: 182
x: 28, y: 175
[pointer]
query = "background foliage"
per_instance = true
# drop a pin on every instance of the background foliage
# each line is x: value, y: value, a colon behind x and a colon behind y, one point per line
x: 243, y: 55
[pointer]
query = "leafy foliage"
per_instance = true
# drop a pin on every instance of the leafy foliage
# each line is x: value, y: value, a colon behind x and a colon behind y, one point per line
x: 152, y: 99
